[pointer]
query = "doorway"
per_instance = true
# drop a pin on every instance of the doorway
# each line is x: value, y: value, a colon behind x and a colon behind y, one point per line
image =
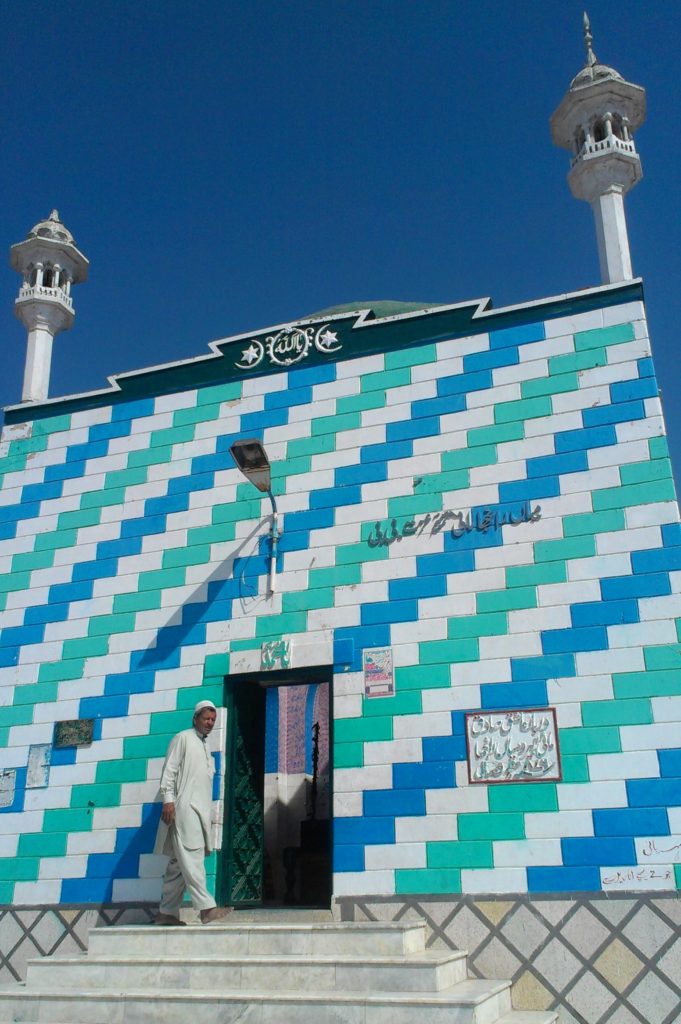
x: 276, y: 847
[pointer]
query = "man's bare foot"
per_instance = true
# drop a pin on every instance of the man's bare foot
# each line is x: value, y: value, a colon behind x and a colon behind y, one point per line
x: 215, y: 914
x: 168, y: 920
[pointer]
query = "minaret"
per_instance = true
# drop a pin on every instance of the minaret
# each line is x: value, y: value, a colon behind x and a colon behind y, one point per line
x: 49, y: 263
x: 595, y: 120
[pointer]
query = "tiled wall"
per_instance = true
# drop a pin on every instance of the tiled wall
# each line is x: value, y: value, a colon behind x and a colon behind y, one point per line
x: 134, y: 563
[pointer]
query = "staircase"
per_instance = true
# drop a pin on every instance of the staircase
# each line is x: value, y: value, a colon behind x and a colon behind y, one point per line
x: 261, y: 972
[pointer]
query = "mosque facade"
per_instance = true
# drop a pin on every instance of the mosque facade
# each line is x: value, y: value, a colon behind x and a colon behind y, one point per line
x: 442, y: 635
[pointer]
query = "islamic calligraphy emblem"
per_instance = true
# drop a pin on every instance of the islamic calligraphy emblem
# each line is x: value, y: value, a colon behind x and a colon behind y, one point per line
x: 289, y: 346
x: 274, y: 651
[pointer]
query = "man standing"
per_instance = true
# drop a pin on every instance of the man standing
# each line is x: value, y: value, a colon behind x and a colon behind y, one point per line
x: 184, y: 833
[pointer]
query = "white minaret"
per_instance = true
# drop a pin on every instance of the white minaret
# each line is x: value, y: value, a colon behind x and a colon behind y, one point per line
x: 49, y: 263
x: 595, y: 120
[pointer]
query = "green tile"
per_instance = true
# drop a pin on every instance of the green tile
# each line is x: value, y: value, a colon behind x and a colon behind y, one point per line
x: 282, y: 470
x: 20, y: 869
x: 664, y: 656
x: 422, y: 677
x: 646, y: 472
x: 17, y: 714
x: 105, y: 625
x: 219, y: 534
x: 571, y: 547
x: 445, y: 652
x: 467, y: 458
x: 506, y: 600
x: 161, y: 579
x: 38, y: 844
x: 236, y: 511
x: 146, y: 746
x: 213, y: 393
x: 358, y: 403
x: 634, y: 494
x: 575, y: 768
x: 665, y: 682
x: 299, y: 600
x: 126, y: 477
x: 248, y: 644
x: 102, y: 498
x: 200, y: 414
x: 658, y: 448
x: 269, y: 626
x: 36, y: 693
x: 169, y: 436
x: 167, y: 723
x: 68, y: 819
x: 601, y: 740
x: 418, y: 356
x: 351, y: 554
x: 85, y: 647
x: 522, y: 409
x: 617, y: 712
x: 144, y: 602
x: 79, y: 518
x: 385, y: 379
x: 407, y: 702
x: 187, y: 696
x: 527, y: 797
x: 197, y: 554
x: 348, y: 755
x: 427, y: 880
x: 493, y: 624
x: 6, y: 892
x: 334, y: 576
x: 335, y: 424
x: 574, y: 361
x: 216, y: 665
x: 122, y: 771
x: 365, y: 730
x: 9, y: 583
x: 536, y: 575
x: 414, y: 505
x: 497, y: 434
x: 51, y: 425
x: 106, y: 794
x: 491, y: 826
x: 600, y: 336
x: 557, y: 385
x: 317, y: 445
x: 437, y: 483
x: 56, y: 539
x: 677, y: 875
x: 594, y: 522
x: 466, y: 854
x: 61, y: 671
x: 27, y: 561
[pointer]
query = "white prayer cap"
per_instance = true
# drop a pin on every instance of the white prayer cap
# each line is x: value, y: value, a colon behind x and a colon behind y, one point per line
x: 204, y: 704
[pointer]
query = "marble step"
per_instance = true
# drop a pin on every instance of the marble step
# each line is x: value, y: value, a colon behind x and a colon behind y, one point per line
x: 469, y: 1002
x: 233, y: 938
x: 431, y: 971
x: 529, y: 1017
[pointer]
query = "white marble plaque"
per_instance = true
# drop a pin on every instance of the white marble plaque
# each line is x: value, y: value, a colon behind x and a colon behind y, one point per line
x: 8, y: 781
x: 38, y: 772
x: 512, y: 746
x: 640, y: 876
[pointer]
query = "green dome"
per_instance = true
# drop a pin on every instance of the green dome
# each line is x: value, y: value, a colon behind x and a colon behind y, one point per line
x: 379, y: 307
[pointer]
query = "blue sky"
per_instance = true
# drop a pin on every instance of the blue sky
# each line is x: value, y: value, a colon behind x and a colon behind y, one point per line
x: 226, y: 166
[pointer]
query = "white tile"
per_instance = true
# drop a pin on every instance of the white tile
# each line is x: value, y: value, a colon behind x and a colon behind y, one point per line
x: 658, y: 631
x: 398, y: 568
x: 590, y: 795
x: 571, y: 324
x: 618, y: 454
x: 491, y: 396
x: 595, y: 663
x: 41, y: 893
x: 568, y: 593
x: 492, y: 670
x: 628, y: 540
x: 660, y: 607
x: 613, y: 373
x: 348, y: 805
x: 497, y: 880
x: 62, y: 867
x: 448, y: 606
x: 666, y: 709
x: 520, y: 372
x: 453, y: 441
x: 355, y: 780
x: 418, y: 465
x: 419, y: 631
x: 585, y: 398
x: 454, y: 699
x: 518, y: 645
x: 426, y: 828
x: 662, y: 736
x: 642, y: 764
x: 348, y: 705
x: 433, y: 723
x: 361, y: 593
x: 591, y: 480
x: 500, y: 472
x: 506, y: 554
x: 357, y: 368
x: 623, y: 314
x: 463, y: 800
x: 658, y: 849
x: 402, y: 855
x: 468, y: 419
x: 598, y: 567
x: 363, y: 883
x: 552, y: 825
x: 553, y: 424
x: 527, y: 853
x: 579, y: 688
x: 659, y: 513
x: 650, y: 427
x: 390, y: 752
x: 531, y: 620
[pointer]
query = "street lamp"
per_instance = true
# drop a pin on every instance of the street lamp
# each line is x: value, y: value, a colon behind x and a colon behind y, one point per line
x: 251, y: 458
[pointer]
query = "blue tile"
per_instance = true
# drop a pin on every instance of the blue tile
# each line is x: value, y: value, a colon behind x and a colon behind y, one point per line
x: 578, y: 440
x: 556, y: 465
x: 523, y: 335
x: 444, y: 748
x: 604, y: 613
x: 20, y: 636
x: 87, y: 450
x: 386, y: 452
x: 9, y: 656
x: 86, y: 890
x: 464, y: 383
x: 529, y: 694
x: 670, y: 763
x: 225, y: 442
x: 343, y: 652
x: 490, y: 359
x: 624, y: 412
x: 398, y: 802
x: 366, y: 473
x: 616, y: 588
x: 564, y: 641
x: 415, y: 587
x: 17, y: 513
x: 429, y: 775
x: 107, y: 431
x: 656, y: 560
x: 361, y: 637
x: 671, y: 535
x: 41, y: 492
x: 324, y: 373
x: 309, y: 519
x: 46, y: 613
x: 97, y: 569
x: 334, y: 497
x: 143, y: 526
x: 587, y: 851
x: 389, y: 611
x: 271, y: 729
x: 214, y: 463
x: 121, y: 548
x: 188, y: 484
x: 132, y: 410
x: 556, y: 666
x: 252, y: 421
x: 438, y: 406
x: 165, y: 504
x: 530, y: 490
x: 115, y: 706
x: 630, y: 390
x: 64, y: 755
x: 563, y: 879
x: 665, y: 792
x: 646, y: 367
x: 61, y: 593
x: 288, y: 398
x: 627, y: 821
x: 410, y: 429
x: 367, y: 831
x: 445, y: 562
x: 118, y: 683
x: 348, y: 858
x: 64, y: 471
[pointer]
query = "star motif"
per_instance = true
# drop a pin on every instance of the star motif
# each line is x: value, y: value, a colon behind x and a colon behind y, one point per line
x: 250, y: 355
x: 328, y: 337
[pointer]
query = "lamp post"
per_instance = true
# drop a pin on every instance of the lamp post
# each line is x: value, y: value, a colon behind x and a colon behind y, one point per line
x: 251, y: 458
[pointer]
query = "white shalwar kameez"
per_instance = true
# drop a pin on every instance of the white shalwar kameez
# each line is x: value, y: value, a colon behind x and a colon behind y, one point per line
x: 186, y: 781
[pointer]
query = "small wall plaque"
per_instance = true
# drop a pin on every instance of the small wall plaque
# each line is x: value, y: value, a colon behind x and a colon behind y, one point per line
x: 77, y: 732
x: 8, y: 782
x: 513, y: 746
x: 275, y: 654
x: 38, y: 772
x: 378, y: 672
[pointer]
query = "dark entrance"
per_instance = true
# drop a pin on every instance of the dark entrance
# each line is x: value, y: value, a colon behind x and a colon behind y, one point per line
x: 277, y: 835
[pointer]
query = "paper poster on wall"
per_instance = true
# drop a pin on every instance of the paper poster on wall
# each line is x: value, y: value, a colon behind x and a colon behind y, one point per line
x: 513, y: 746
x: 378, y: 672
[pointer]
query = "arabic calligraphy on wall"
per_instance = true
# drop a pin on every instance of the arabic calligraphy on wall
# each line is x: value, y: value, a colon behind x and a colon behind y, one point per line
x: 458, y: 524
x: 288, y: 346
x: 513, y: 746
